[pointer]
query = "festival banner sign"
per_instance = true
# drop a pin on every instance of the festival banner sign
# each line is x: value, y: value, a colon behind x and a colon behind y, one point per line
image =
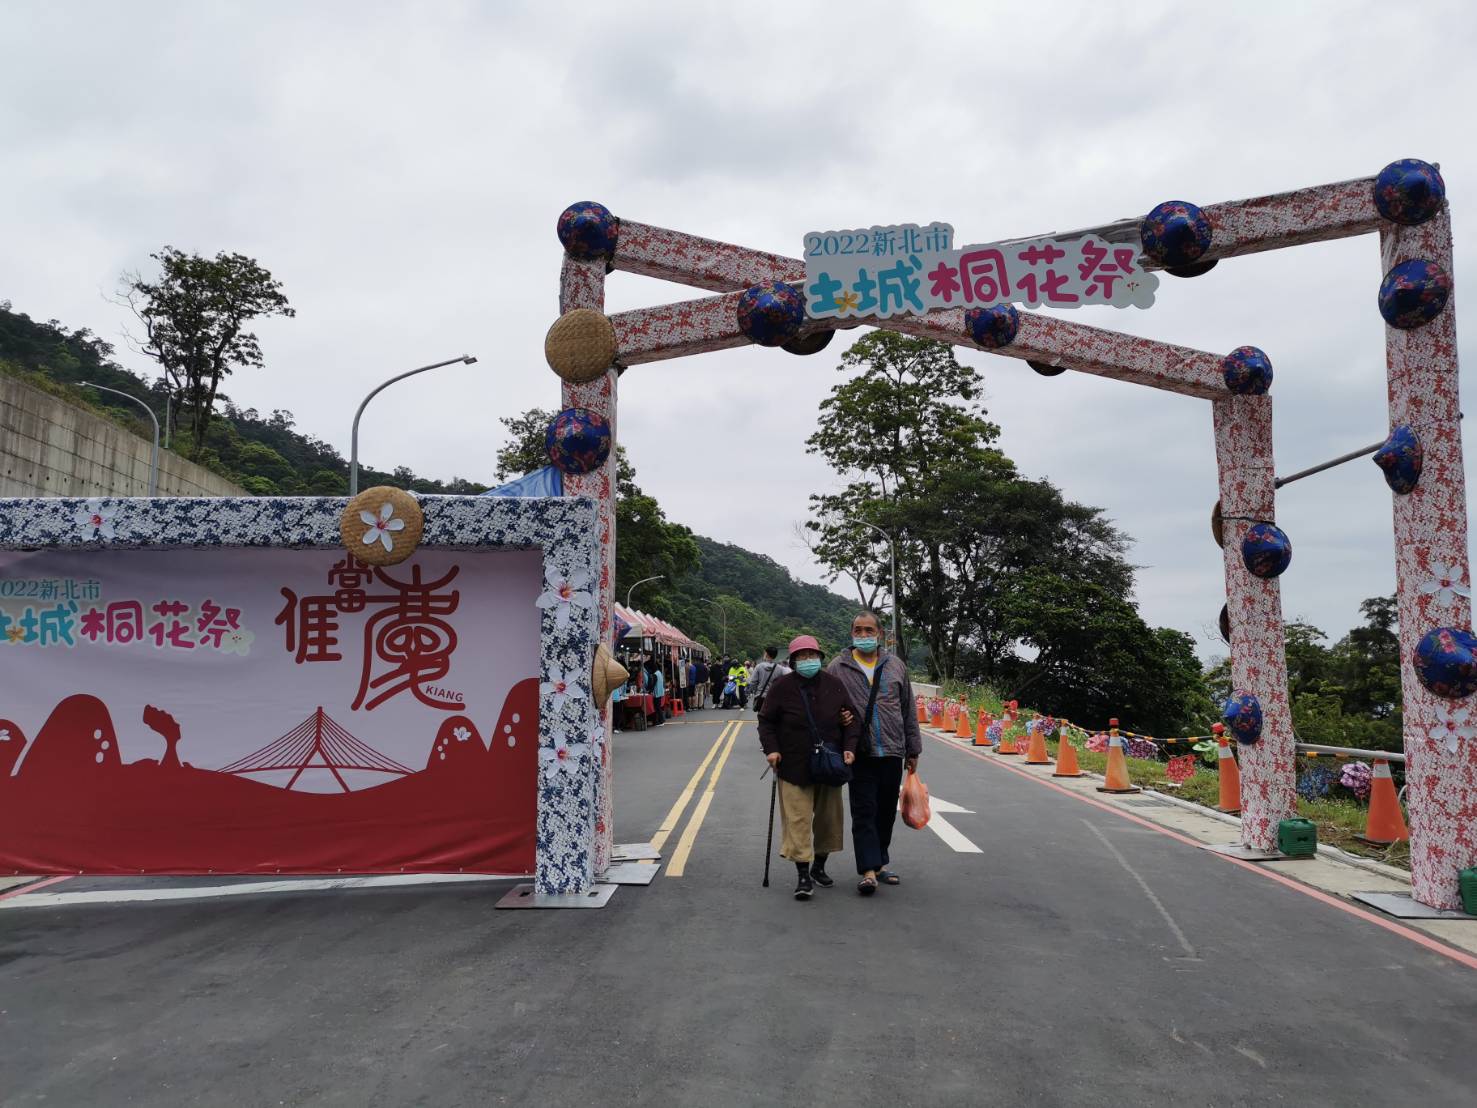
x: 908, y: 269
x: 246, y: 710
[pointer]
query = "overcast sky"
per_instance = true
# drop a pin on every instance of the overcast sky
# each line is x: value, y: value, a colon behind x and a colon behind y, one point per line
x: 400, y: 168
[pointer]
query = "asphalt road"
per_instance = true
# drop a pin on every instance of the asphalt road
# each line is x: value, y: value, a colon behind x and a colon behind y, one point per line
x: 1079, y: 959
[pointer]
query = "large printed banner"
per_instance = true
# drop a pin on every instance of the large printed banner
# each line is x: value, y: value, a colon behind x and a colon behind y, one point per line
x: 907, y: 269
x: 268, y: 710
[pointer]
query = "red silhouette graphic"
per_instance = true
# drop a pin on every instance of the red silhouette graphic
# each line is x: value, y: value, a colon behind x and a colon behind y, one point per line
x: 69, y: 804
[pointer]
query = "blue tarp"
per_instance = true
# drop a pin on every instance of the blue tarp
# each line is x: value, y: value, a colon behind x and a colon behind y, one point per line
x: 541, y: 482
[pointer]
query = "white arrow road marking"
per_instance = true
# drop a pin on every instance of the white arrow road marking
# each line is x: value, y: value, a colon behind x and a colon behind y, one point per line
x: 945, y: 830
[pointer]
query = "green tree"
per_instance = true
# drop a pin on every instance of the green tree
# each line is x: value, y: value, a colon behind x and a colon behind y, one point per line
x: 195, y: 316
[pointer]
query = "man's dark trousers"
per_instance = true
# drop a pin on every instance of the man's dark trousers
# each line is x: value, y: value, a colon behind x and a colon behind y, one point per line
x: 875, y: 783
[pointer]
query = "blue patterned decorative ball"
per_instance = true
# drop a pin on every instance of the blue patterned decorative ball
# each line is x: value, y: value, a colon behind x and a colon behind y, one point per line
x: 577, y: 441
x: 1248, y: 371
x: 1266, y: 550
x: 588, y: 230
x: 771, y: 314
x: 1414, y: 293
x: 994, y: 327
x: 1046, y: 369
x: 1242, y: 715
x: 1401, y: 457
x: 1409, y: 191
x: 1446, y: 662
x: 812, y: 343
x: 1175, y: 233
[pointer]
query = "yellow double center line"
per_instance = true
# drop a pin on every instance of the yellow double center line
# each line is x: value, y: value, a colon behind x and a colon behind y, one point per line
x: 726, y: 739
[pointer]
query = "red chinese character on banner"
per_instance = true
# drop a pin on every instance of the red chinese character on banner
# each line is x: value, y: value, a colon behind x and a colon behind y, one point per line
x: 125, y: 621
x: 215, y: 621
x: 91, y: 624
x: 1101, y: 273
x: 1044, y: 288
x: 983, y: 277
x: 406, y: 633
x: 945, y: 280
x: 170, y: 630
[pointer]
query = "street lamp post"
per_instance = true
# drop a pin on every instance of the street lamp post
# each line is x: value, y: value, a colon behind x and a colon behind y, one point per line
x: 897, y: 641
x: 643, y: 581
x: 724, y: 610
x: 354, y: 436
x: 154, y: 461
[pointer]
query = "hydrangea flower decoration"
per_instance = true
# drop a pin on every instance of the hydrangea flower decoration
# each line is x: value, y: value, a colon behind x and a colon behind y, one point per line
x: 382, y: 526
x: 96, y: 519
x: 1446, y: 583
x: 563, y: 594
x: 1356, y: 778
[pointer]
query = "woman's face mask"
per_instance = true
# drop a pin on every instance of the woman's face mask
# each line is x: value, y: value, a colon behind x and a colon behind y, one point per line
x: 808, y: 666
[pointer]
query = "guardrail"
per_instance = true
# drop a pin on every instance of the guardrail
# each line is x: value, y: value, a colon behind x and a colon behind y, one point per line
x: 1314, y: 749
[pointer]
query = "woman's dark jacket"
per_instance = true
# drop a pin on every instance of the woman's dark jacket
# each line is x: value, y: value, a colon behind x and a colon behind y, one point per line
x: 783, y: 727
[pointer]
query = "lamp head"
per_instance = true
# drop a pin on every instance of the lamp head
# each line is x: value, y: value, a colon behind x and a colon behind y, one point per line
x: 468, y: 359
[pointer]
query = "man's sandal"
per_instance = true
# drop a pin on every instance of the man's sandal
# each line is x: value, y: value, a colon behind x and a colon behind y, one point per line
x: 867, y: 886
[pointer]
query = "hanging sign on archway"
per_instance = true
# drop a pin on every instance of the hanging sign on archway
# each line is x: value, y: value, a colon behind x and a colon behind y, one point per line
x: 908, y: 269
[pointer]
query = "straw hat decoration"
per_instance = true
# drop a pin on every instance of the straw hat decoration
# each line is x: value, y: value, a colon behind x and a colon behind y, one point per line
x: 580, y: 346
x: 381, y: 526
x: 606, y: 674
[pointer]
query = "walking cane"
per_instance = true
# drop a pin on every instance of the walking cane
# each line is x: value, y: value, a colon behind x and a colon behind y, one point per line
x: 769, y: 840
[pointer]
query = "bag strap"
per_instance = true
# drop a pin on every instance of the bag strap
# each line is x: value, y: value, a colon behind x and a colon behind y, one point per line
x: 815, y: 732
x: 768, y: 680
x: 872, y: 700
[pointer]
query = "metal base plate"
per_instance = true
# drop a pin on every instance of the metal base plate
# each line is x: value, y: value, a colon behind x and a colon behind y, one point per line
x: 635, y: 852
x: 1118, y: 792
x: 1249, y: 854
x: 630, y: 873
x: 523, y: 896
x: 1404, y: 906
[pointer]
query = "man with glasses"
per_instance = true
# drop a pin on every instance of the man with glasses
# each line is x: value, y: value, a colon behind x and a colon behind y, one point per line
x: 890, y: 744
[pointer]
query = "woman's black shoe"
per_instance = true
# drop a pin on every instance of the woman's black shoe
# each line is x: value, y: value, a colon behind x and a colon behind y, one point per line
x: 804, y: 889
x: 818, y: 872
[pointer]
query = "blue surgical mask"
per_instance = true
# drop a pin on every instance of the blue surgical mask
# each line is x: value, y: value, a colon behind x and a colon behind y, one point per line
x: 809, y: 667
x: 866, y: 646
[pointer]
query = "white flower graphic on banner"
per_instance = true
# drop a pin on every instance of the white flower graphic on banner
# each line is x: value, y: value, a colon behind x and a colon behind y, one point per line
x: 237, y: 641
x: 381, y: 527
x: 461, y: 734
x: 559, y: 688
x: 562, y: 595
x: 563, y: 756
x: 1446, y: 583
x: 1454, y: 723
x: 95, y: 519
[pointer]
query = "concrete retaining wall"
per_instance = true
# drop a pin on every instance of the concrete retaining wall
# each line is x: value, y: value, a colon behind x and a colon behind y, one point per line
x: 50, y: 448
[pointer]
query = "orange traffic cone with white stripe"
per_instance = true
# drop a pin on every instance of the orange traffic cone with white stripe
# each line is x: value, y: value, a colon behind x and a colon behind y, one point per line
x: 1007, y: 738
x: 1117, y: 776
x: 922, y: 711
x: 936, y: 718
x: 1066, y: 755
x: 1036, y: 748
x: 1386, y: 822
x: 981, y: 729
x: 1229, y: 772
x: 964, y: 731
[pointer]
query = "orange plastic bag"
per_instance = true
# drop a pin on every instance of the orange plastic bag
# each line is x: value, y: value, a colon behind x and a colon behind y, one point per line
x: 914, y: 805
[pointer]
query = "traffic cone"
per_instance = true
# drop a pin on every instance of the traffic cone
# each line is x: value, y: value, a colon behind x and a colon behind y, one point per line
x: 1386, y: 824
x: 1007, y: 740
x: 936, y: 720
x: 1229, y: 772
x: 1066, y: 755
x: 948, y: 721
x: 922, y: 711
x: 1117, y: 775
x: 981, y: 738
x: 1036, y: 749
x: 963, y: 731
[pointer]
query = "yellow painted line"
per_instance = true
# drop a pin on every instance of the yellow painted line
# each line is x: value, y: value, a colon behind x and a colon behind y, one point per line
x: 695, y: 824
x: 675, y: 815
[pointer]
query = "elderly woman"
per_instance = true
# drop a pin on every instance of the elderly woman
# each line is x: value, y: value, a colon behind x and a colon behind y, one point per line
x: 802, y: 708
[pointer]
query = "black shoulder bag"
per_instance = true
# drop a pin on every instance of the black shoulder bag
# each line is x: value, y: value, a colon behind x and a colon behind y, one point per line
x: 827, y: 766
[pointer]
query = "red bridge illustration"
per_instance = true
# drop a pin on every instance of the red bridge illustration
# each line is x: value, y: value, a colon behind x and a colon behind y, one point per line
x: 322, y: 736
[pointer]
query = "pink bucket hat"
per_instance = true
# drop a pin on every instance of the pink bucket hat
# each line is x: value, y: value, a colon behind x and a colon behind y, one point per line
x: 804, y: 642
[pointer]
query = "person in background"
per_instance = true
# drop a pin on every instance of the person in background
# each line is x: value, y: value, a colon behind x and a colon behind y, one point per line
x: 742, y: 680
x: 890, y: 744
x: 801, y: 708
x: 690, y: 686
x: 656, y: 685
x: 700, y: 682
x: 718, y: 675
x: 765, y: 673
x: 617, y: 704
x: 735, y: 671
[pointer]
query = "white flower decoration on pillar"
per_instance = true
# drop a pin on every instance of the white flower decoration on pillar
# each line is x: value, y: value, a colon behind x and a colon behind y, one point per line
x: 560, y: 688
x: 1454, y: 723
x: 1446, y: 583
x: 562, y: 594
x: 382, y: 527
x: 563, y: 757
x: 96, y: 519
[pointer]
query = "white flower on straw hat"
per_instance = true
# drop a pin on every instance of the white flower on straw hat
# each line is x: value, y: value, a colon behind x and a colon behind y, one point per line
x: 380, y: 527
